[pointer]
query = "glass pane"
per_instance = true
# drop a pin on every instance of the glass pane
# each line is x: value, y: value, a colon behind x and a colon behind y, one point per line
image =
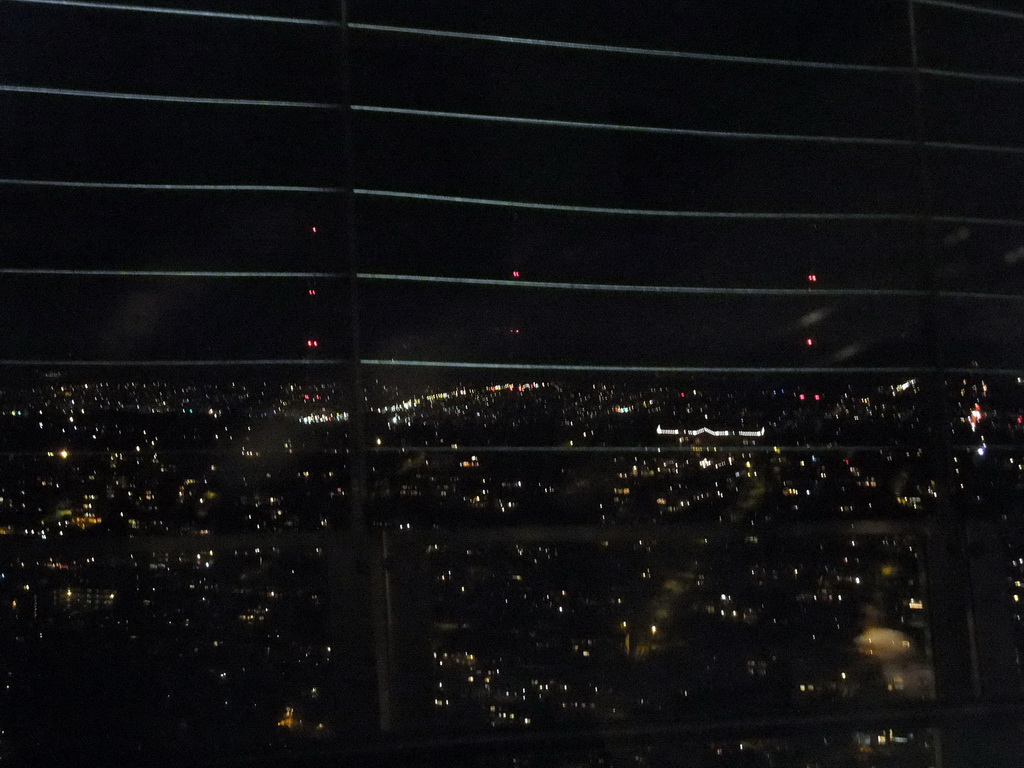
x: 977, y: 184
x: 690, y: 93
x: 167, y: 318
x: 873, y: 32
x: 709, y: 485
x: 435, y: 409
x: 982, y: 334
x: 142, y: 52
x: 950, y: 38
x: 483, y: 242
x: 172, y: 143
x: 976, y: 112
x: 985, y: 259
x: 151, y: 230
x: 986, y: 477
x: 715, y: 450
x: 627, y: 170
x: 658, y: 628
x: 123, y: 455
x: 196, y: 655
x: 508, y: 324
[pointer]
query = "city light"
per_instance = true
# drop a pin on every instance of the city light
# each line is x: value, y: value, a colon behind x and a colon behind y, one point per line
x: 677, y: 484
x: 490, y: 556
x: 708, y: 431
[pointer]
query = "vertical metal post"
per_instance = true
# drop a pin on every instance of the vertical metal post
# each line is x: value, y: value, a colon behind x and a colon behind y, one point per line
x: 357, y: 395
x: 974, y: 659
x: 946, y: 561
x: 358, y: 608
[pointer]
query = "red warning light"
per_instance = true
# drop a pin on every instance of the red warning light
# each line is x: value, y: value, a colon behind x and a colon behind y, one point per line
x: 312, y: 291
x: 682, y: 394
x: 313, y: 230
x: 810, y: 342
x: 312, y: 343
x: 516, y: 273
x: 812, y: 278
x: 803, y: 397
x: 817, y: 397
x: 513, y: 330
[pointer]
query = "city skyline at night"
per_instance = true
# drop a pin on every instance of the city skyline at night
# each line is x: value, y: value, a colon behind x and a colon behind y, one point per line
x: 574, y: 385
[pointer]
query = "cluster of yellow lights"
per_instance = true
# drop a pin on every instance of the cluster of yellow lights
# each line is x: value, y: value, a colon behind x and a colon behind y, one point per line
x: 289, y: 720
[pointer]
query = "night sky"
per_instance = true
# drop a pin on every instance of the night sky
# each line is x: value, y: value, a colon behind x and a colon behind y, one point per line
x: 78, y: 138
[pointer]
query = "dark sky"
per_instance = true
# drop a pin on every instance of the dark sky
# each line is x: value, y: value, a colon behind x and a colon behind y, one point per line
x: 106, y: 140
